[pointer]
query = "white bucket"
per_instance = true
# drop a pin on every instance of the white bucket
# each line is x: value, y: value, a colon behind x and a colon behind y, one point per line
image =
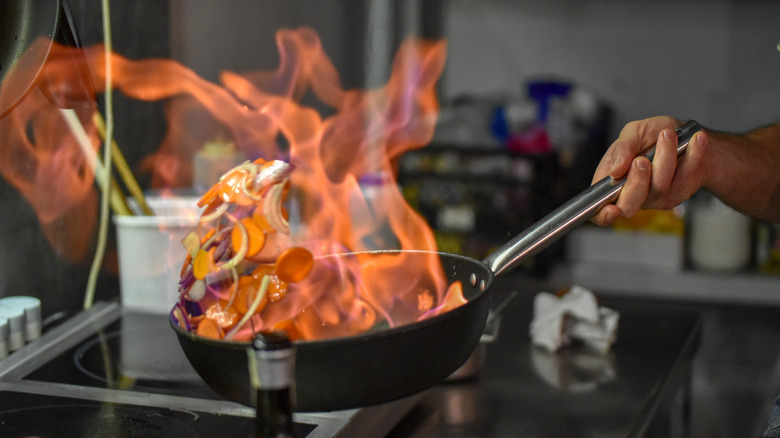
x: 151, y: 253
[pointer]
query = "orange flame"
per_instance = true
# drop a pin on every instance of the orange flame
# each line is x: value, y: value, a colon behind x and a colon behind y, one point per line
x: 363, y: 139
x: 42, y: 160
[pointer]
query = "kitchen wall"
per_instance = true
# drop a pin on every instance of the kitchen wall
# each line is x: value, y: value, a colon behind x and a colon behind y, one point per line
x: 713, y: 60
x: 360, y: 37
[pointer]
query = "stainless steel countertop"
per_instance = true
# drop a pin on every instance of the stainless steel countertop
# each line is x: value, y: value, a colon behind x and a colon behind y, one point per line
x: 525, y: 391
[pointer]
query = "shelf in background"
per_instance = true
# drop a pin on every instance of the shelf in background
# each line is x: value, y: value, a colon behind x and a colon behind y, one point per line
x: 749, y: 288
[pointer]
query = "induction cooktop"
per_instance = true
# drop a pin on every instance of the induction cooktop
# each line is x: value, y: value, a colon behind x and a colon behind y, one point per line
x: 112, y: 372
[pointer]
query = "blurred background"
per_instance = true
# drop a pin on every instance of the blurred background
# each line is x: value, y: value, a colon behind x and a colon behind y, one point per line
x: 531, y: 96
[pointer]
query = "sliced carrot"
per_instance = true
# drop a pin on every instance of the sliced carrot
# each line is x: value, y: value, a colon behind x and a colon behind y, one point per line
x: 245, y: 286
x: 209, y: 196
x: 204, y: 263
x: 239, y: 240
x: 243, y: 336
x: 208, y: 328
x: 289, y: 328
x: 231, y: 188
x: 207, y: 236
x: 261, y: 270
x: 258, y: 217
x: 185, y: 265
x: 211, y: 208
x: 277, y: 288
x: 195, y: 320
x: 247, y: 291
x: 256, y: 237
x: 226, y: 317
x: 294, y: 264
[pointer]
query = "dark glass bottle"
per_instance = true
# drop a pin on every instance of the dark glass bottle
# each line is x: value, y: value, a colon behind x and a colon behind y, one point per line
x: 271, y: 368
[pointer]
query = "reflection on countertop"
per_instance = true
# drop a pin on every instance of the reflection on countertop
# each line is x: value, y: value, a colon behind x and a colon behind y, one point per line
x: 735, y: 374
x: 641, y: 388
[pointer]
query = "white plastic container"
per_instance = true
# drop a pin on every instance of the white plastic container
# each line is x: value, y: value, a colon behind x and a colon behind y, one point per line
x: 31, y: 307
x: 151, y: 253
x: 4, y: 348
x: 15, y: 318
x: 720, y: 237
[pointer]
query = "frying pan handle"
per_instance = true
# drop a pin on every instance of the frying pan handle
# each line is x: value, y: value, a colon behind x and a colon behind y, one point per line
x: 571, y: 214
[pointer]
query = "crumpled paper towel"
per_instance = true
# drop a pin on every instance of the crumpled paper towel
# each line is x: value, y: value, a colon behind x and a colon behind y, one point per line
x: 576, y: 315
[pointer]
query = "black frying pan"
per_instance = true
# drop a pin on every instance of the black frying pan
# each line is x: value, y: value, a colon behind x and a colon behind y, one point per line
x: 385, y: 365
x: 360, y: 370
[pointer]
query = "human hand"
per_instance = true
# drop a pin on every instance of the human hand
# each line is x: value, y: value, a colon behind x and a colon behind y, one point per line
x: 663, y: 184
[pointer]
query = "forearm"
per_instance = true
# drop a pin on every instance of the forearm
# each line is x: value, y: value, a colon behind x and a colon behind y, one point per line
x: 744, y: 171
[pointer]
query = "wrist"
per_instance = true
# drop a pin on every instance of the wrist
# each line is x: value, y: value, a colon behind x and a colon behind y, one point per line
x: 739, y: 168
x: 717, y: 151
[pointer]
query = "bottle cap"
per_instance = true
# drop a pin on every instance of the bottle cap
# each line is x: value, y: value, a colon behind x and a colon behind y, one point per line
x: 271, y: 341
x: 271, y: 361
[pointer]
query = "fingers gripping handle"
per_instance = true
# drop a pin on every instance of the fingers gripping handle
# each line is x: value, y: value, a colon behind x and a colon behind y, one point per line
x: 684, y: 133
x: 571, y: 214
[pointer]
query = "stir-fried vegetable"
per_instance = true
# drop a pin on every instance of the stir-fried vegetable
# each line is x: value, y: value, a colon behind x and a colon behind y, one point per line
x: 294, y: 264
x: 246, y: 230
x: 225, y: 284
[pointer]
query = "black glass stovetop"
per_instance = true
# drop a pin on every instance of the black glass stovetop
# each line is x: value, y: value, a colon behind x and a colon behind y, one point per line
x: 117, y: 373
x: 137, y: 352
x: 35, y: 415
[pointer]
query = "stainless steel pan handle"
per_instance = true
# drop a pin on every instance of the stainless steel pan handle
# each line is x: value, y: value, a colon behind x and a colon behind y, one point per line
x: 571, y: 214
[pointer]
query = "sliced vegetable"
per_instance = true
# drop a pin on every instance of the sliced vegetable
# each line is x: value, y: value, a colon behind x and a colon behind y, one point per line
x: 258, y: 217
x: 247, y: 291
x: 294, y: 264
x: 221, y: 276
x: 240, y: 250
x: 260, y: 296
x: 225, y: 317
x: 211, y: 214
x: 208, y: 328
x: 197, y: 291
x: 255, y: 236
x: 186, y: 266
x: 208, y: 236
x: 289, y: 328
x: 209, y: 196
x: 243, y: 336
x: 272, y: 208
x: 233, y: 288
x: 191, y: 243
x: 273, y: 172
x: 203, y: 263
x: 252, y: 308
x: 277, y: 288
x: 232, y: 186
